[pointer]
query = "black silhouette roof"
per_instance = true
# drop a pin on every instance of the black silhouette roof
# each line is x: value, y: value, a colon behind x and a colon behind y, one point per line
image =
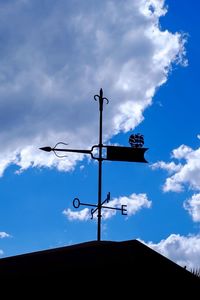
x: 132, y: 261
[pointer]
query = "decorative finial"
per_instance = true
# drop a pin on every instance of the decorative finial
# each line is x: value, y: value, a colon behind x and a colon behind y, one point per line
x: 136, y: 140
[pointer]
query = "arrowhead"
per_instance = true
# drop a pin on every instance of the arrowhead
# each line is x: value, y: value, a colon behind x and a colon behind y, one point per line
x: 47, y: 149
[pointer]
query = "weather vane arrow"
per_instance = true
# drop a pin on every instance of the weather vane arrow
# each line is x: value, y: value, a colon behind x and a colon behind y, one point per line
x: 135, y: 153
x: 54, y: 149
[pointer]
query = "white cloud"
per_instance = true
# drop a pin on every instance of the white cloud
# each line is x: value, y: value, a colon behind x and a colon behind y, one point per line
x: 181, y: 152
x: 185, y: 173
x: 192, y: 205
x: 198, y: 136
x: 54, y: 57
x: 170, y: 167
x: 132, y: 204
x: 184, y: 250
x: 173, y: 185
x: 151, y: 8
x: 1, y: 252
x: 3, y: 235
x: 81, y: 215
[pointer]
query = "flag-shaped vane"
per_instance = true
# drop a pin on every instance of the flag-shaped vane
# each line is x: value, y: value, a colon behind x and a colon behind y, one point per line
x: 117, y: 153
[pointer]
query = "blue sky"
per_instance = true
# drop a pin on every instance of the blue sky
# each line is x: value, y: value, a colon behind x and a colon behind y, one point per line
x: 54, y: 57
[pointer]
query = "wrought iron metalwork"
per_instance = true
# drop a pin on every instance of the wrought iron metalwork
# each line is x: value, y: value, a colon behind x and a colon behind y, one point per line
x: 77, y: 204
x: 117, y: 153
x: 136, y: 140
x: 113, y: 153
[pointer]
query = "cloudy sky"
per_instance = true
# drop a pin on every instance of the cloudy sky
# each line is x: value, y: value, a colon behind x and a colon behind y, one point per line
x: 54, y: 57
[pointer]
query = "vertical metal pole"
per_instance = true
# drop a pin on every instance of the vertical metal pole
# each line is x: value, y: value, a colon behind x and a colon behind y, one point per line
x: 100, y: 165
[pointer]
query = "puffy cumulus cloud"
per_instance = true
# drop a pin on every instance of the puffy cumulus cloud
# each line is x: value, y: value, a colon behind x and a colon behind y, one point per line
x: 55, y: 56
x: 3, y: 235
x: 82, y: 215
x: 184, y: 250
x: 132, y: 204
x: 151, y: 8
x: 184, y: 175
x: 192, y: 205
x: 181, y: 152
x: 170, y: 167
x: 187, y: 172
x: 129, y: 205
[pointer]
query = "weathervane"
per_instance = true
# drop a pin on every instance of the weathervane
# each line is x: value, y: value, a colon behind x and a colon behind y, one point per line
x: 135, y: 153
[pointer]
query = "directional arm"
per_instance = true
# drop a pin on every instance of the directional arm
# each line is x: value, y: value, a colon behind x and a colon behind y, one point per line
x: 114, y: 153
x: 49, y: 149
x: 106, y: 200
x: 77, y: 204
